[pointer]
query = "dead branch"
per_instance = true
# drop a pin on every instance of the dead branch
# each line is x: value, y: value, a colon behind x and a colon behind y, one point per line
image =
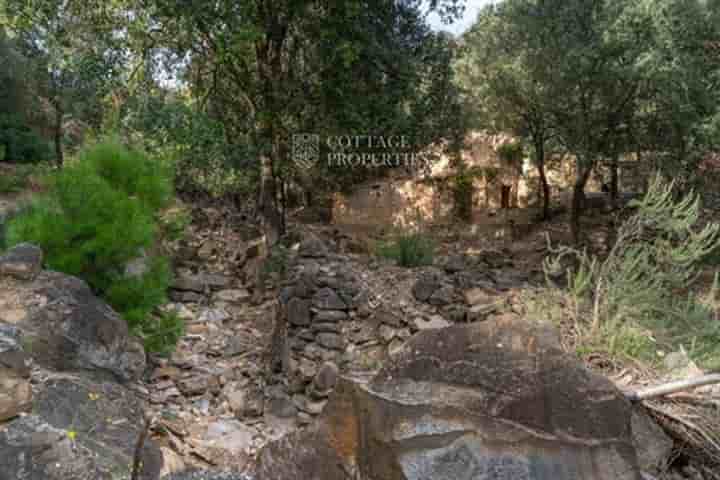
x: 673, y: 387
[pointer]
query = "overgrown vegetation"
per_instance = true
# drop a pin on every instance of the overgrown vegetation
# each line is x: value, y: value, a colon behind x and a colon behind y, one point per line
x: 409, y: 249
x: 637, y: 299
x: 98, y: 222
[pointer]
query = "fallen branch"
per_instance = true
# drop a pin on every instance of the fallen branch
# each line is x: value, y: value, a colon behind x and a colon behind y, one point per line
x: 673, y: 387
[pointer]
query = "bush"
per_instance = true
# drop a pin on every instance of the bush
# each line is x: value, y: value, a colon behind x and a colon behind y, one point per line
x: 409, y: 250
x: 636, y: 288
x: 162, y: 333
x: 20, y: 144
x: 98, y: 215
x: 276, y: 263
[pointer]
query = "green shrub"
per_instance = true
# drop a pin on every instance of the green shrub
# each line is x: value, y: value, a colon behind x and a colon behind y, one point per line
x: 462, y: 191
x: 174, y: 222
x: 98, y: 215
x: 658, y: 252
x: 161, y: 334
x: 409, y: 250
x: 276, y: 262
x: 130, y: 171
x: 20, y: 144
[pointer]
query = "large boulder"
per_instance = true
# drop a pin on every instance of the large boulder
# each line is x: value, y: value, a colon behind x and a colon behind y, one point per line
x: 493, y: 400
x: 15, y: 390
x: 66, y: 325
x: 79, y: 428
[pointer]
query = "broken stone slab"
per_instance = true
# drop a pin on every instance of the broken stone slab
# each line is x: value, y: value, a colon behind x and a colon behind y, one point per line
x: 23, y: 262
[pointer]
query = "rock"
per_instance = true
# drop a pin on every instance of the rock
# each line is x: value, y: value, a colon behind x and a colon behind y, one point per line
x: 216, y: 282
x: 307, y: 369
x: 312, y: 247
x: 442, y: 296
x: 70, y: 328
x: 306, y: 454
x: 235, y: 296
x: 325, y: 327
x: 455, y: 264
x: 281, y: 405
x: 328, y: 299
x: 104, y: 420
x: 15, y: 390
x: 388, y: 318
x: 206, y: 250
x: 23, y: 262
x: 192, y: 283
x: 198, y: 384
x: 213, y: 315
x: 387, y: 333
x: 185, y: 297
x: 496, y: 400
x: 312, y: 407
x: 298, y: 312
x: 434, y: 322
x: 172, y: 462
x: 475, y: 296
x: 332, y: 341
x: 230, y: 435
x: 15, y: 394
x: 326, y: 377
x: 248, y: 402
x: 424, y: 288
x: 654, y: 448
x: 237, y: 345
x: 330, y: 316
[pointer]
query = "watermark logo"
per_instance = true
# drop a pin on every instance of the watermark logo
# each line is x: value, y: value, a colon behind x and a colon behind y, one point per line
x: 353, y: 151
x: 306, y: 149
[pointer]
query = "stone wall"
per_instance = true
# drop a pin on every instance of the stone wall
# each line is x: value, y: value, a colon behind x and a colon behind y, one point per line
x: 407, y: 201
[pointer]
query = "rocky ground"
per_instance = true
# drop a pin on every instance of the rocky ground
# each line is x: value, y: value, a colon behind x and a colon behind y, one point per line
x: 76, y: 386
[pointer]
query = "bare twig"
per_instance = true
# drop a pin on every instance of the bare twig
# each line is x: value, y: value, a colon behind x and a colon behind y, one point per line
x: 673, y: 387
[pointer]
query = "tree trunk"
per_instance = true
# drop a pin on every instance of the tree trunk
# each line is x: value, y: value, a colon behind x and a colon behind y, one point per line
x: 58, y: 135
x: 578, y: 200
x: 614, y: 181
x: 544, y: 187
x: 270, y: 219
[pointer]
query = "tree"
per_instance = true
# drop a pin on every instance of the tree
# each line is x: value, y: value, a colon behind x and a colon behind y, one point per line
x: 682, y: 97
x: 506, y: 78
x: 278, y: 67
x: 75, y: 52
